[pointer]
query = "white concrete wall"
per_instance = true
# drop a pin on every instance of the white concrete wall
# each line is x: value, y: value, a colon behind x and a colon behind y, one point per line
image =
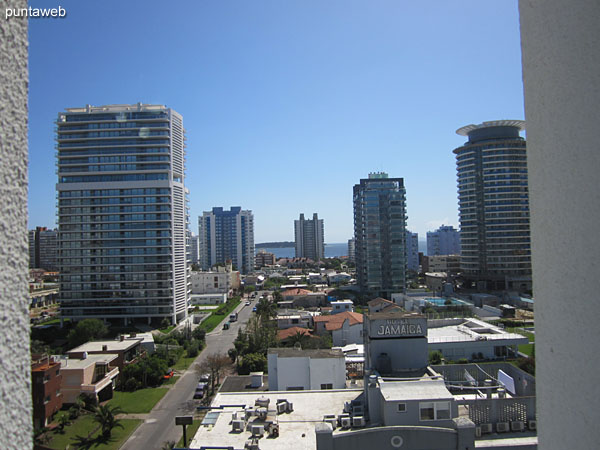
x: 292, y: 372
x: 348, y: 334
x: 560, y: 44
x: 15, y: 388
x: 327, y: 370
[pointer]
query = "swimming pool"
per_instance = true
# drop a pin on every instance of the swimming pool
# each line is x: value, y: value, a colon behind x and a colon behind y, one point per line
x: 440, y: 301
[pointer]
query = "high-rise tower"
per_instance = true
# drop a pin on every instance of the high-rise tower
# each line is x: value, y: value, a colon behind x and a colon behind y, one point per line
x: 227, y: 236
x: 494, y: 205
x: 380, y: 234
x: 309, y: 237
x: 122, y: 213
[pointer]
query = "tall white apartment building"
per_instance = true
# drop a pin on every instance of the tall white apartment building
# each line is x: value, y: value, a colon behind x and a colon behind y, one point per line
x: 309, y: 237
x: 443, y: 241
x: 227, y: 236
x: 122, y: 213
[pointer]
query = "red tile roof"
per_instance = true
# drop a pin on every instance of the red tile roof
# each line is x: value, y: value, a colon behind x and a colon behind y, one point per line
x: 289, y: 332
x: 296, y: 291
x: 336, y: 321
x: 378, y: 301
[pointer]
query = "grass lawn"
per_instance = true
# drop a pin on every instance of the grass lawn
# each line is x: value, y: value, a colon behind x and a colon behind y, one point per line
x: 84, y: 425
x: 190, y: 432
x: 184, y: 362
x: 138, y: 402
x: 524, y: 348
x: 215, y: 319
x: 167, y: 330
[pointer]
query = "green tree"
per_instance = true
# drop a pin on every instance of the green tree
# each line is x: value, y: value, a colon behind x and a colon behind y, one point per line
x: 277, y: 297
x: 105, y: 416
x: 300, y: 337
x: 252, y: 362
x: 86, y: 330
x: 266, y: 308
x: 435, y: 357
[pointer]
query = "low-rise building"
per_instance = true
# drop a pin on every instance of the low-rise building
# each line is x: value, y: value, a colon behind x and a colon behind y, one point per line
x: 46, y: 380
x: 294, y: 318
x: 471, y: 339
x: 304, y: 298
x: 93, y: 375
x: 339, y: 306
x: 128, y: 351
x: 342, y: 277
x: 264, y: 258
x: 292, y: 369
x: 345, y: 328
x: 435, y: 280
x: 220, y: 280
x: 286, y: 334
x: 208, y: 299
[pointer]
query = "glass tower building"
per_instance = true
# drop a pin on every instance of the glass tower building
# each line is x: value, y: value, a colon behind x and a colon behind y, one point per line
x: 227, y: 236
x: 122, y: 213
x: 380, y: 234
x: 494, y: 205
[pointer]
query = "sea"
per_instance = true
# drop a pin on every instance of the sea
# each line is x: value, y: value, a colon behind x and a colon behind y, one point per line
x: 331, y: 251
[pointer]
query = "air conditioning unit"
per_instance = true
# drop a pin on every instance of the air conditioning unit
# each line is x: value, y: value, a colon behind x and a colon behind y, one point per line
x: 273, y: 429
x: 345, y: 422
x: 331, y: 419
x: 477, y: 432
x: 502, y: 427
x: 257, y: 430
x: 290, y: 407
x: 486, y: 428
x: 252, y: 444
x: 517, y: 425
x: 357, y: 409
x: 532, y: 424
x: 238, y: 425
x: 358, y: 421
x: 281, y: 407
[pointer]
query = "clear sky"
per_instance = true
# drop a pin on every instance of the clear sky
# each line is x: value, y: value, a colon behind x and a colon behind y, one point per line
x: 286, y: 104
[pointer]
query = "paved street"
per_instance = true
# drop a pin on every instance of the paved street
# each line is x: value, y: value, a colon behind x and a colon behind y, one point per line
x: 159, y: 426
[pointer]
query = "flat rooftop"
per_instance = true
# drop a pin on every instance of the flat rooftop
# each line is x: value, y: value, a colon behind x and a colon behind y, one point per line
x: 296, y: 429
x: 111, y: 346
x: 77, y: 363
x: 415, y: 390
x: 308, y: 353
x: 471, y: 330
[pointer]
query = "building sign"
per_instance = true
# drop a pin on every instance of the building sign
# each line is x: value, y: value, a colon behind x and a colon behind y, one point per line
x: 398, y: 328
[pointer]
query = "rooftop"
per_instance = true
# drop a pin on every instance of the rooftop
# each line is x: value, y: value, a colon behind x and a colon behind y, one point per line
x: 289, y: 332
x: 77, y: 363
x: 471, y: 330
x: 241, y: 383
x: 111, y: 345
x: 336, y: 321
x: 296, y: 429
x: 414, y: 390
x: 308, y: 353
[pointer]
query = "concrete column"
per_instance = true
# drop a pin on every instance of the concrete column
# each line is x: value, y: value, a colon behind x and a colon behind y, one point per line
x: 465, y: 429
x: 15, y: 383
x: 324, y: 433
x: 560, y: 44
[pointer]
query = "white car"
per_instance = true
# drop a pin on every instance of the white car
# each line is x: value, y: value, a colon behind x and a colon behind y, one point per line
x: 248, y: 303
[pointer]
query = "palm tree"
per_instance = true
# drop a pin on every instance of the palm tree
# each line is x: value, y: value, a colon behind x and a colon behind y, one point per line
x: 266, y: 308
x: 105, y: 415
x: 300, y: 337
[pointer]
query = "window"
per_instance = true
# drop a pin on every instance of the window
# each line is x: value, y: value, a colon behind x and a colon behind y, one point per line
x: 327, y: 386
x: 295, y: 388
x: 434, y: 410
x: 401, y: 407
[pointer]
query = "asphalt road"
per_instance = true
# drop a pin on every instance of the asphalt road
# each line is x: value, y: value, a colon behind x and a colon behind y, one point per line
x: 159, y: 426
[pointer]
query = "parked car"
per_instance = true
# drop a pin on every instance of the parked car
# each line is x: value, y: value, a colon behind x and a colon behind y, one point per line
x: 248, y: 303
x: 201, y: 390
x: 204, y: 378
x: 254, y: 309
x: 226, y: 325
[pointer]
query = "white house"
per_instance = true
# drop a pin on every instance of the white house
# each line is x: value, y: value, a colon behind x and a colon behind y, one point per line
x: 292, y: 369
x: 342, y: 306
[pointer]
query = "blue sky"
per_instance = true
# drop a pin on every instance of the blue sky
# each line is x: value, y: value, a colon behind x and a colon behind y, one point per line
x: 286, y: 104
